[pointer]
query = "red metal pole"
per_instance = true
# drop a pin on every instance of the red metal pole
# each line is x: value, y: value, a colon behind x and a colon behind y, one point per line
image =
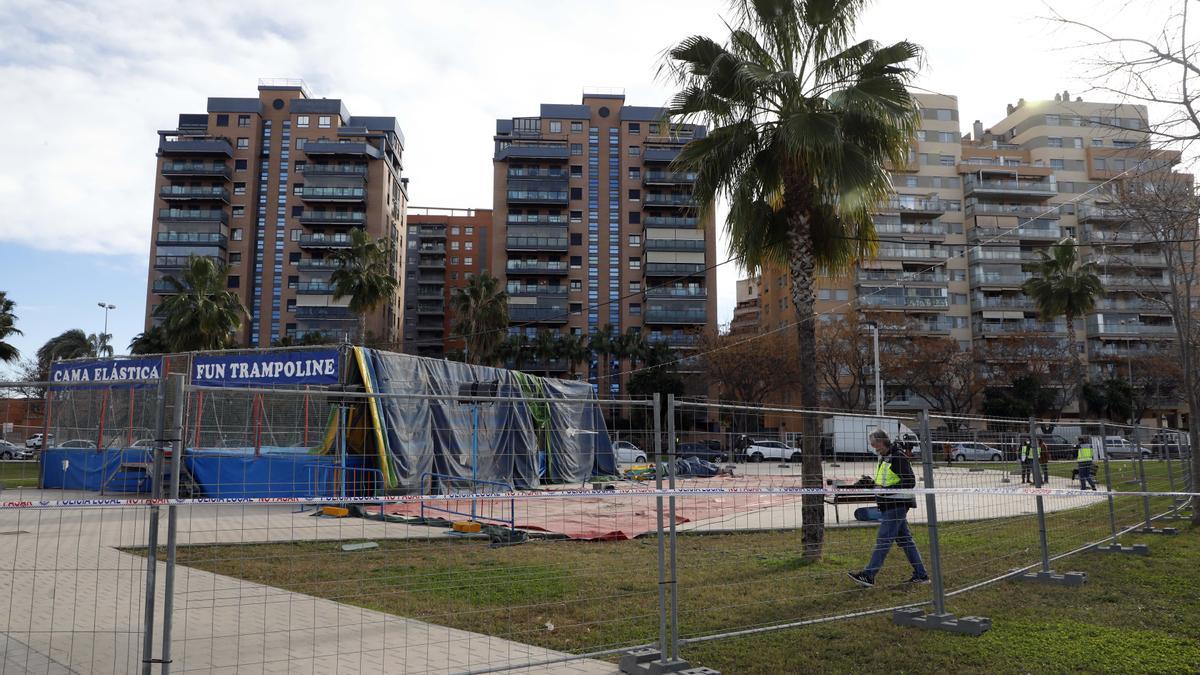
x: 103, y: 412
x: 257, y: 407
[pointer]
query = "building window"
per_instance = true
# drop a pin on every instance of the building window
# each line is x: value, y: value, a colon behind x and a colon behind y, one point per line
x: 239, y: 211
x: 298, y: 189
x: 635, y: 128
x: 1053, y: 121
x: 577, y: 171
x: 576, y: 285
x: 635, y: 240
x: 635, y: 308
x: 302, y: 121
x: 454, y: 246
x: 653, y: 128
x: 577, y: 216
x: 635, y: 287
x: 555, y: 127
x: 468, y: 261
x: 945, y: 114
x: 576, y: 126
x: 469, y: 246
x: 455, y: 231
x: 635, y: 151
x: 577, y: 239
x: 236, y: 233
x: 235, y: 258
x: 635, y: 195
x: 297, y: 211
x: 454, y: 260
x: 1077, y: 143
x: 577, y: 149
x: 635, y: 263
x: 576, y: 193
x: 1097, y: 142
x: 243, y: 143
x: 822, y: 294
x: 577, y: 308
x: 243, y: 121
x: 921, y: 135
x: 239, y: 189
x: 293, y: 281
x: 635, y: 217
x: 1098, y: 164
x: 294, y: 257
x: 1056, y: 164
x: 296, y: 232
x: 324, y: 121
x: 454, y: 276
x: 222, y: 120
x: 1053, y: 142
x: 234, y: 281
x: 635, y: 173
x: 300, y: 143
x: 469, y: 230
x: 239, y: 165
x: 576, y: 262
x: 291, y: 305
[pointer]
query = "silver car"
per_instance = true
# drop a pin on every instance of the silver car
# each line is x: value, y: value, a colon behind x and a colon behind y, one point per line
x: 973, y: 452
x: 628, y: 453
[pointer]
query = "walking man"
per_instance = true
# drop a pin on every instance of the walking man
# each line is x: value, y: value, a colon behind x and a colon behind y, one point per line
x: 1083, y: 457
x: 892, y: 471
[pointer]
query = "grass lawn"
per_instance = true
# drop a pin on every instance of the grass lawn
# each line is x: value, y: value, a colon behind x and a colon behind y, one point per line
x: 1136, y: 614
x: 18, y: 474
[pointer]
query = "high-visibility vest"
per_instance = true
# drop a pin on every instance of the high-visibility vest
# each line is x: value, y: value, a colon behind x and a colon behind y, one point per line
x: 1085, y: 454
x: 884, y: 476
x: 1029, y: 451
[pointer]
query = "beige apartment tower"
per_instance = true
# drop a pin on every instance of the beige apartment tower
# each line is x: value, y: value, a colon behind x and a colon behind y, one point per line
x: 272, y: 186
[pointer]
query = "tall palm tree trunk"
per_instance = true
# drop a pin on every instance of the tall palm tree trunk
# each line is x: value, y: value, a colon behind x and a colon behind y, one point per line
x: 802, y: 269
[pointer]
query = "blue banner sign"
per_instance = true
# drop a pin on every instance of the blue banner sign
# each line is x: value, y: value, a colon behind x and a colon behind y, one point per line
x: 106, y: 372
x: 317, y: 367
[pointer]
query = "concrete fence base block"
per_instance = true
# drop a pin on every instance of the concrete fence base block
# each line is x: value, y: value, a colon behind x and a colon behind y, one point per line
x: 700, y: 670
x: 1136, y: 549
x: 649, y: 661
x: 1174, y: 517
x: 915, y: 618
x: 1051, y: 577
x: 1158, y: 530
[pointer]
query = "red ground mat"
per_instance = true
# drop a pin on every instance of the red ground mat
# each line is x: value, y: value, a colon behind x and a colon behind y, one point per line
x: 614, y: 516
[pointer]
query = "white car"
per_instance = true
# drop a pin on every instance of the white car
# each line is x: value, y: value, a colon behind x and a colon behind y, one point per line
x: 34, y: 442
x: 1117, y: 447
x: 760, y: 450
x: 13, y: 451
x: 78, y: 443
x: 628, y: 453
x: 963, y: 452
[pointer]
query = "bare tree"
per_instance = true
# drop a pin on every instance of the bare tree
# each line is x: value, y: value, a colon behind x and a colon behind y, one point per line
x: 844, y: 365
x: 939, y: 373
x: 748, y: 371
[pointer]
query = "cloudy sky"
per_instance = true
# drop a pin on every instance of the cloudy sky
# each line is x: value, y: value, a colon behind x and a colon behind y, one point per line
x: 86, y: 85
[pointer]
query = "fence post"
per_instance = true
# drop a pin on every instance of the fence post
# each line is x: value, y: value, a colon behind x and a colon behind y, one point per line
x: 648, y: 659
x: 939, y: 619
x: 1148, y: 524
x: 1115, y: 546
x: 1165, y: 444
x: 160, y: 423
x: 179, y: 404
x: 1046, y: 575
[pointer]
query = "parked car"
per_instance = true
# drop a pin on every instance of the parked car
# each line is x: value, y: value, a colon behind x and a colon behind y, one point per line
x: 628, y: 453
x: 704, y: 450
x: 143, y: 444
x: 1117, y: 447
x: 34, y: 442
x: 1169, y: 444
x: 973, y: 452
x: 760, y: 450
x: 13, y: 451
x: 78, y: 443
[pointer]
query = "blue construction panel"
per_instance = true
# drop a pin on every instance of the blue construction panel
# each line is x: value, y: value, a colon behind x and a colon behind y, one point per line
x: 87, y: 469
x: 233, y: 474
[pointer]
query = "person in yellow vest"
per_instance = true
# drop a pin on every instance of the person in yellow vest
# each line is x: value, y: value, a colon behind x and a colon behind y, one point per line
x: 1084, y: 456
x: 1028, y: 455
x: 892, y: 471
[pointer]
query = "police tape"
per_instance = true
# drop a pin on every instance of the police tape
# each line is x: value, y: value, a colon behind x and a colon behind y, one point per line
x: 570, y: 494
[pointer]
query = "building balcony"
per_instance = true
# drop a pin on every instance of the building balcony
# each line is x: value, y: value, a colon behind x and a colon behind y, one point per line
x: 1009, y: 188
x: 342, y: 149
x: 986, y: 328
x: 315, y: 288
x: 318, y: 264
x: 675, y: 245
x: 437, y: 279
x: 324, y: 241
x: 432, y: 261
x: 1126, y: 259
x: 1000, y: 280
x: 663, y: 154
x: 556, y: 173
x: 656, y: 177
x: 207, y: 169
x: 671, y: 221
x: 1140, y: 305
x: 1113, y: 282
x: 430, y: 249
x: 1102, y: 351
x: 196, y: 146
x: 688, y: 316
x: 193, y: 216
x: 1021, y: 210
x: 522, y: 219
x: 548, y: 151
x: 519, y: 266
x: 431, y: 308
x: 176, y: 262
x: 338, y: 170
x: 1013, y: 302
x: 534, y: 314
x: 194, y: 192
x: 1032, y: 231
x: 536, y: 244
x: 904, y: 301
x: 558, y: 197
x: 542, y: 291
x: 1132, y: 329
x: 1098, y: 213
x: 674, y: 200
x: 163, y: 287
x: 667, y: 293
x: 674, y: 269
x: 921, y: 277
x: 191, y: 239
x: 430, y: 292
x: 677, y: 341
x: 941, y: 324
x: 893, y: 252
x: 911, y: 204
x: 333, y: 194
x: 326, y: 314
x: 347, y: 218
x: 426, y: 232
x: 934, y: 229
x: 532, y: 365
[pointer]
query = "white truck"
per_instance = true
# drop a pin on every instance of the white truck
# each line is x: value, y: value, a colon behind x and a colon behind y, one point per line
x: 848, y: 434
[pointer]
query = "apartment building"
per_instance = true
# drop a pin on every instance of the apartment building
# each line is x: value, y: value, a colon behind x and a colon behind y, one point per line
x: 271, y: 186
x: 969, y: 217
x: 592, y: 227
x: 745, y: 313
x: 445, y: 247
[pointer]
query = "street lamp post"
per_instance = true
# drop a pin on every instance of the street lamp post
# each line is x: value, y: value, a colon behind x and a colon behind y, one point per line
x: 878, y: 380
x: 105, y: 306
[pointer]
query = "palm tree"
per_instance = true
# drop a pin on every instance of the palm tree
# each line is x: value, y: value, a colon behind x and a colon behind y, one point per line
x: 8, y: 326
x: 547, y: 346
x: 70, y: 344
x: 364, y: 274
x: 574, y: 351
x: 602, y: 343
x: 201, y: 314
x: 1062, y: 286
x: 480, y: 317
x: 99, y: 344
x: 804, y: 127
x: 151, y: 341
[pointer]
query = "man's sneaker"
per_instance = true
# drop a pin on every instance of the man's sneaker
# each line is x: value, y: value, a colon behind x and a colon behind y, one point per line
x: 861, y: 578
x: 918, y: 580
